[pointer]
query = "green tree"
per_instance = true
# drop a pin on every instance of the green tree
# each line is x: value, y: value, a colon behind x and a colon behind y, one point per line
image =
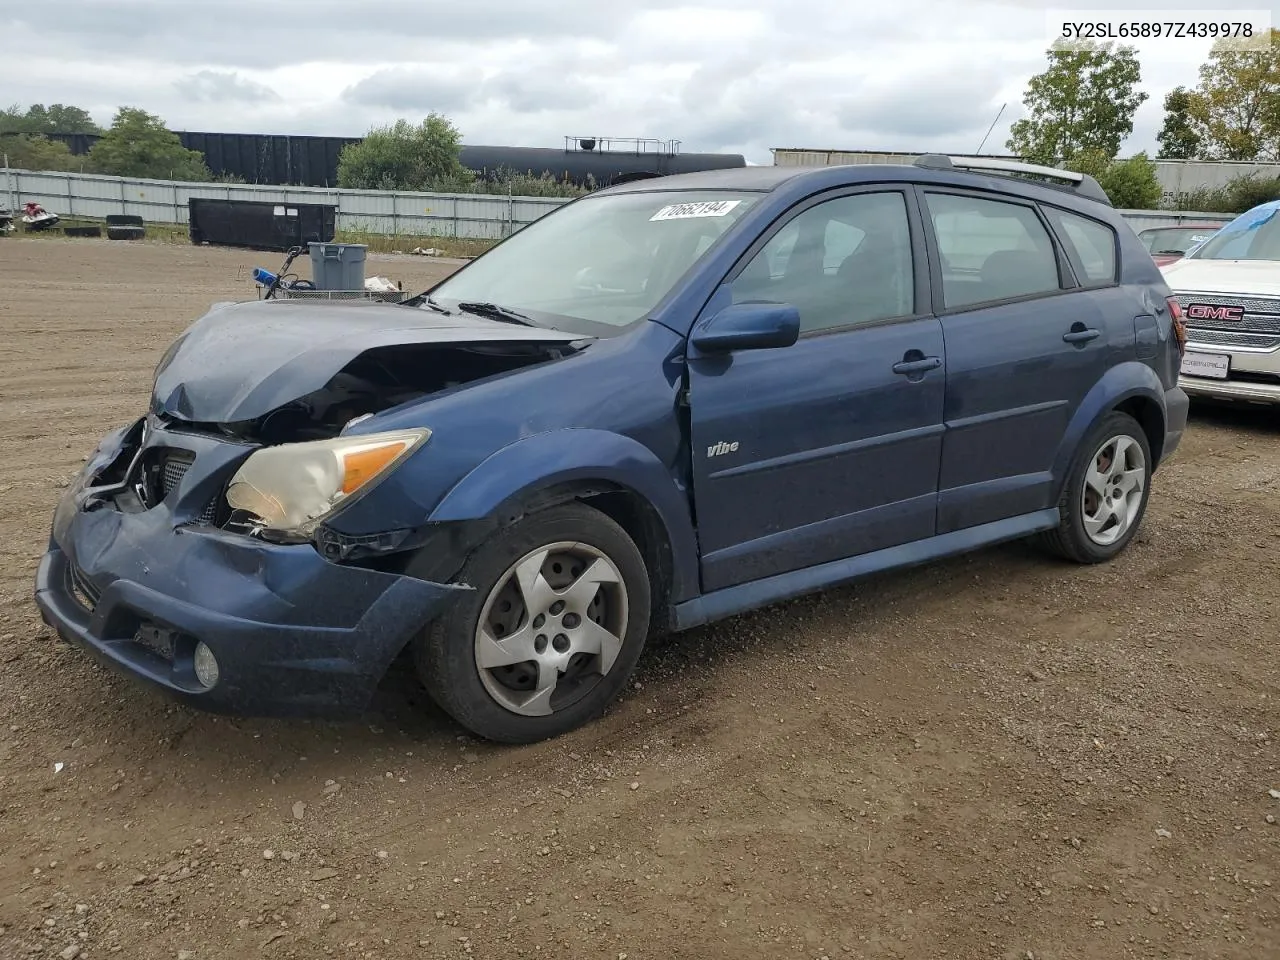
x: 138, y: 145
x: 1084, y: 100
x: 1240, y: 194
x: 1130, y: 184
x: 406, y: 157
x: 29, y: 152
x: 1178, y: 138
x: 56, y: 118
x: 1236, y: 107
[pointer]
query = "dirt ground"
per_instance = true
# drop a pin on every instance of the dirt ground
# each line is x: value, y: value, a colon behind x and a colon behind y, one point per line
x: 996, y: 757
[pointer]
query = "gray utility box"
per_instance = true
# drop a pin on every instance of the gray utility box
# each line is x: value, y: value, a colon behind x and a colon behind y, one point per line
x: 337, y: 266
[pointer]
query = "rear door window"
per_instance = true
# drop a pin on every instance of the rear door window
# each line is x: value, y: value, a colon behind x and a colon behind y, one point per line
x: 991, y: 250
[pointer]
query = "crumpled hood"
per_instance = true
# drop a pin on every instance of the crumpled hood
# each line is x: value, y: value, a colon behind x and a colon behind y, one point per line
x: 1243, y: 278
x: 243, y: 360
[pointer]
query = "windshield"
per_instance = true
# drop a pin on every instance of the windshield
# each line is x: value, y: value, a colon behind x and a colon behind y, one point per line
x: 1254, y: 235
x: 1174, y: 239
x: 600, y: 264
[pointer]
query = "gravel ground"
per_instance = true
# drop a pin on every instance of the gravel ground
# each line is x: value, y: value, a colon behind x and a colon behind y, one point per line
x: 999, y: 756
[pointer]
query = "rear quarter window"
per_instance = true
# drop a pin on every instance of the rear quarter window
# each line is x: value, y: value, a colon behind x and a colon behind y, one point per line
x: 1091, y: 246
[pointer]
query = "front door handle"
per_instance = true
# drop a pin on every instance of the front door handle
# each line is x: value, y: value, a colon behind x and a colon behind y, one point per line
x: 917, y: 366
x: 1079, y: 333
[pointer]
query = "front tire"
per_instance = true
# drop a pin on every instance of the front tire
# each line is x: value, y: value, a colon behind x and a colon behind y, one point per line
x: 550, y: 634
x: 1105, y: 496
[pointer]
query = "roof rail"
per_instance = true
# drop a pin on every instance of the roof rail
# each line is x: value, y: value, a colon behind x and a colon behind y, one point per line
x: 1081, y: 183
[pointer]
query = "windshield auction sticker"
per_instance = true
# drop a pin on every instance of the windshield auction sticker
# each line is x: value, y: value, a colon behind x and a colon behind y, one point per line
x: 688, y: 211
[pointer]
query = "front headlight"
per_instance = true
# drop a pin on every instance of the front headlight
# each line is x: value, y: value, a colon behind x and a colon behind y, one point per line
x: 292, y: 487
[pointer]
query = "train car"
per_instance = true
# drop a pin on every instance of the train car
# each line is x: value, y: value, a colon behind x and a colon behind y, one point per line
x: 313, y: 161
x: 601, y: 161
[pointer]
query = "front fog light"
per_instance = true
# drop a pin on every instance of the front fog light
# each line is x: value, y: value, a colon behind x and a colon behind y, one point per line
x: 206, y: 666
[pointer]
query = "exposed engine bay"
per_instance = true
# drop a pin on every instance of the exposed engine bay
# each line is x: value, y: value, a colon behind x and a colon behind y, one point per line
x: 380, y: 379
x: 155, y: 454
x: 257, y: 397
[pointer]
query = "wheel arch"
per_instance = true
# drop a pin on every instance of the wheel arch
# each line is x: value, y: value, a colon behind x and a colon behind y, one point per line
x: 612, y: 473
x: 1131, y: 388
x: 625, y: 507
x: 1151, y: 416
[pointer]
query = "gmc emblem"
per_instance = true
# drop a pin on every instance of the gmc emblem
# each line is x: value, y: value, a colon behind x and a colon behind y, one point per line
x: 1208, y: 311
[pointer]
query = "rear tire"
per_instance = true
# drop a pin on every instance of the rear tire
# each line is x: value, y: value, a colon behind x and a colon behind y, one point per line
x: 550, y: 634
x: 1105, y: 496
x: 125, y: 233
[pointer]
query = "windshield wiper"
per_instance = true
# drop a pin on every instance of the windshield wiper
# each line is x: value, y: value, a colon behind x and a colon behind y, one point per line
x: 419, y: 299
x: 495, y: 312
x: 430, y: 302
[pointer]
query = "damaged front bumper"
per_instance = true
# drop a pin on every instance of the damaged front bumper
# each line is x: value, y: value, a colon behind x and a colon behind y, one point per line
x: 292, y: 633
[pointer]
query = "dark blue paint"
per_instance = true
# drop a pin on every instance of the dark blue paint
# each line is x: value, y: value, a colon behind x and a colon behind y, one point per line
x: 828, y: 421
x: 1012, y: 386
x: 747, y: 326
x: 293, y: 633
x: 725, y: 603
x: 772, y: 471
x: 1146, y: 333
x: 1124, y: 382
x: 580, y: 457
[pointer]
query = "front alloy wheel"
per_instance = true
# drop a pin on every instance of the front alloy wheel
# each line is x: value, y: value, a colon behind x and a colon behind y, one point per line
x: 551, y: 632
x: 551, y: 628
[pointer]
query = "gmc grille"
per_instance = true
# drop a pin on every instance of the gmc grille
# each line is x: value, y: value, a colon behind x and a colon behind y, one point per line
x: 1261, y: 314
x: 1233, y: 338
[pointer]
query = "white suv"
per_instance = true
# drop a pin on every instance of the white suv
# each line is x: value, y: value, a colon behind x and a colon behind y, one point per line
x: 1229, y: 291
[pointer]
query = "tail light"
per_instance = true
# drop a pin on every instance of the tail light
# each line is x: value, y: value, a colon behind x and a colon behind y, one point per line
x: 1179, y: 325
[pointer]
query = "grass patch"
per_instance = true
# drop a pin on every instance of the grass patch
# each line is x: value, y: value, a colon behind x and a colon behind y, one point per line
x: 156, y: 232
x: 376, y: 242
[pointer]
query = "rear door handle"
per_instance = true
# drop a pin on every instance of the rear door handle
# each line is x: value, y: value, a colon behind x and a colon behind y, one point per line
x: 917, y: 366
x: 1078, y: 334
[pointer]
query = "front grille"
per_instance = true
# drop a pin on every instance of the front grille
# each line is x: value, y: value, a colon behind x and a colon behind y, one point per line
x: 1251, y: 304
x: 173, y: 468
x: 156, y: 639
x: 209, y: 513
x: 1261, y: 314
x: 1234, y: 338
x: 86, y: 594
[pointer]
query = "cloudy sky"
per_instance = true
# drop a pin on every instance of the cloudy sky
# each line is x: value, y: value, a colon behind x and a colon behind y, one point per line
x: 718, y: 75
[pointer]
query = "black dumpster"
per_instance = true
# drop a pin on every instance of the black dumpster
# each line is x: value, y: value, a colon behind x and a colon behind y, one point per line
x: 259, y: 225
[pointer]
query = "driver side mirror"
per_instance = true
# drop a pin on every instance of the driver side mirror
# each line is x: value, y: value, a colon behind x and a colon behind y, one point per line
x: 748, y: 326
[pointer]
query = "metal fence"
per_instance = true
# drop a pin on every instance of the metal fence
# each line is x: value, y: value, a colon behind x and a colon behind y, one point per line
x: 1141, y: 219
x: 472, y: 216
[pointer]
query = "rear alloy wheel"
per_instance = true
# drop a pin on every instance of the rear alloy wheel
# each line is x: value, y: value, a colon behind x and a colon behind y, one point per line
x: 1114, y: 490
x: 1106, y: 492
x: 550, y: 634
